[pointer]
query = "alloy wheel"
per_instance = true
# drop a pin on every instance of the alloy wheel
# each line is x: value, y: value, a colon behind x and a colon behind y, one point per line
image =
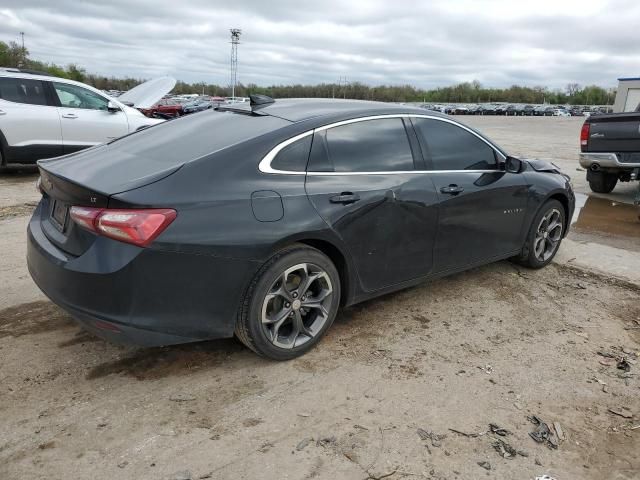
x: 297, y: 305
x: 548, y: 235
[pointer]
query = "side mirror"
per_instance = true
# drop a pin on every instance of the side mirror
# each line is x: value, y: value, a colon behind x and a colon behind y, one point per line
x: 112, y: 107
x: 513, y: 165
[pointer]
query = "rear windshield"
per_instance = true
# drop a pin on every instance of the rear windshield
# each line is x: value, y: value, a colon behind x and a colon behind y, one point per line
x: 143, y: 157
x: 177, y: 141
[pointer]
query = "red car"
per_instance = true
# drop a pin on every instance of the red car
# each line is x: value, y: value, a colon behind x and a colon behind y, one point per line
x: 166, y: 106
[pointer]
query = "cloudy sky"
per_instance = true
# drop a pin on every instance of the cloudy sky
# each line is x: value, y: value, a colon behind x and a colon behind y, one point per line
x: 427, y: 44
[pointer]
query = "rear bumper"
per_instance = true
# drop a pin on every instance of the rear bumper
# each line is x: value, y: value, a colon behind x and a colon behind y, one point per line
x: 605, y: 160
x: 145, y: 297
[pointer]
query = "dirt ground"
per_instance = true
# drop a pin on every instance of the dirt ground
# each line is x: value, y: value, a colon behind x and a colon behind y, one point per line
x: 493, y: 345
x: 402, y: 387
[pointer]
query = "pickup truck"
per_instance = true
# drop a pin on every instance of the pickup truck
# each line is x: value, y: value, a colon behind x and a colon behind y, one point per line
x: 610, y: 149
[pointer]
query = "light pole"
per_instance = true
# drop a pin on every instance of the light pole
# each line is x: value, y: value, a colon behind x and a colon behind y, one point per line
x: 24, y: 56
x: 235, y: 41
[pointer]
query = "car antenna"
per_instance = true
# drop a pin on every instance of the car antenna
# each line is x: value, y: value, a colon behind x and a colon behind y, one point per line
x: 259, y: 101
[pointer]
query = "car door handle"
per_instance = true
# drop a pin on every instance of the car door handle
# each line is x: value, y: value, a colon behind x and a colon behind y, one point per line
x: 69, y: 115
x: 452, y: 190
x: 345, y: 198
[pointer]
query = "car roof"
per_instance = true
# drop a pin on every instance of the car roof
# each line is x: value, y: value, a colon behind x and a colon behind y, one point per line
x: 33, y: 75
x: 301, y: 109
x: 30, y: 74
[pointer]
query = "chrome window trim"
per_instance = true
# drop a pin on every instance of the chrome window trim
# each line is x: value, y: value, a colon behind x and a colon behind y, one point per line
x: 265, y: 163
x: 400, y: 172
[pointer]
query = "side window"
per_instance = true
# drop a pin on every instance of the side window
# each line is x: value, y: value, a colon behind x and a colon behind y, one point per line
x: 453, y: 148
x: 367, y: 146
x: 293, y: 157
x: 21, y: 90
x: 73, y: 96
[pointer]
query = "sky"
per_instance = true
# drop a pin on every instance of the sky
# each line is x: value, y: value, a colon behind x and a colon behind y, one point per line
x: 423, y: 43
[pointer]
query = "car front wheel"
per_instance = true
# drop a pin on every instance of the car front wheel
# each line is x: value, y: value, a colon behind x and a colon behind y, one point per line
x: 544, y: 237
x: 290, y: 304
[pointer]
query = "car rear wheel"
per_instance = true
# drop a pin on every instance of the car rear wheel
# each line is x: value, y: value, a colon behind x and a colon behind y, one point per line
x: 544, y: 237
x: 290, y: 304
x: 602, y: 182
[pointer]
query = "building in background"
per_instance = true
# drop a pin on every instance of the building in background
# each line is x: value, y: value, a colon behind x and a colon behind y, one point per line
x: 628, y: 95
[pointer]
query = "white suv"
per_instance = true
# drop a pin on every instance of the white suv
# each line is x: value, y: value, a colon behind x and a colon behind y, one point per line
x: 42, y: 116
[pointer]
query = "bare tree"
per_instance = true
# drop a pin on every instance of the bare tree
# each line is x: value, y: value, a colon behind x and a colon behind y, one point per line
x: 572, y: 89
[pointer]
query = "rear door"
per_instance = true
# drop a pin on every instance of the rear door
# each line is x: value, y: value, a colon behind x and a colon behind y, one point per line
x: 481, y: 207
x: 85, y: 119
x: 361, y: 179
x: 28, y: 120
x: 615, y: 133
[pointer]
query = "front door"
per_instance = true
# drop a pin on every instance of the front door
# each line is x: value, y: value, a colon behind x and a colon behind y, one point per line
x: 481, y: 207
x: 361, y: 180
x: 85, y: 119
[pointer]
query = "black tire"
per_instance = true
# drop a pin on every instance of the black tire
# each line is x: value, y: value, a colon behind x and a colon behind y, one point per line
x: 529, y: 256
x: 3, y: 164
x: 602, y: 182
x: 256, y: 335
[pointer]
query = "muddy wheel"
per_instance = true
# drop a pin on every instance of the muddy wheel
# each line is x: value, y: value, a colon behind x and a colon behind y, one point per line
x: 544, y: 237
x: 290, y: 304
x: 602, y: 182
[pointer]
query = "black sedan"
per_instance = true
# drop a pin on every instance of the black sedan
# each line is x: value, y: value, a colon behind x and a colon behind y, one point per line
x: 261, y: 220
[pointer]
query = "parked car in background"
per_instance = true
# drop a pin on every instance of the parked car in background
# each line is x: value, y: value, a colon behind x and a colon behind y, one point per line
x: 486, y: 109
x: 43, y: 116
x: 167, y: 106
x: 131, y: 220
x: 473, y: 109
x: 501, y: 109
x: 460, y: 110
x: 544, y: 111
x: 560, y: 112
x: 610, y: 149
x: 197, y: 105
x: 515, y: 110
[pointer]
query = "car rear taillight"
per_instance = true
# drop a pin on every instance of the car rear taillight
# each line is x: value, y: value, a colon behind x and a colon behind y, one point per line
x: 584, y: 136
x: 136, y: 226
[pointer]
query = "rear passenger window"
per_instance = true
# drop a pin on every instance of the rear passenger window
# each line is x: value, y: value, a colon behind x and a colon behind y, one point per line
x: 21, y: 90
x: 293, y: 157
x: 367, y: 146
x: 453, y: 148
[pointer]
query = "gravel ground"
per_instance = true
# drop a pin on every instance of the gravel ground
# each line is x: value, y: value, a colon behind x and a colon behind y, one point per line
x: 384, y: 395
